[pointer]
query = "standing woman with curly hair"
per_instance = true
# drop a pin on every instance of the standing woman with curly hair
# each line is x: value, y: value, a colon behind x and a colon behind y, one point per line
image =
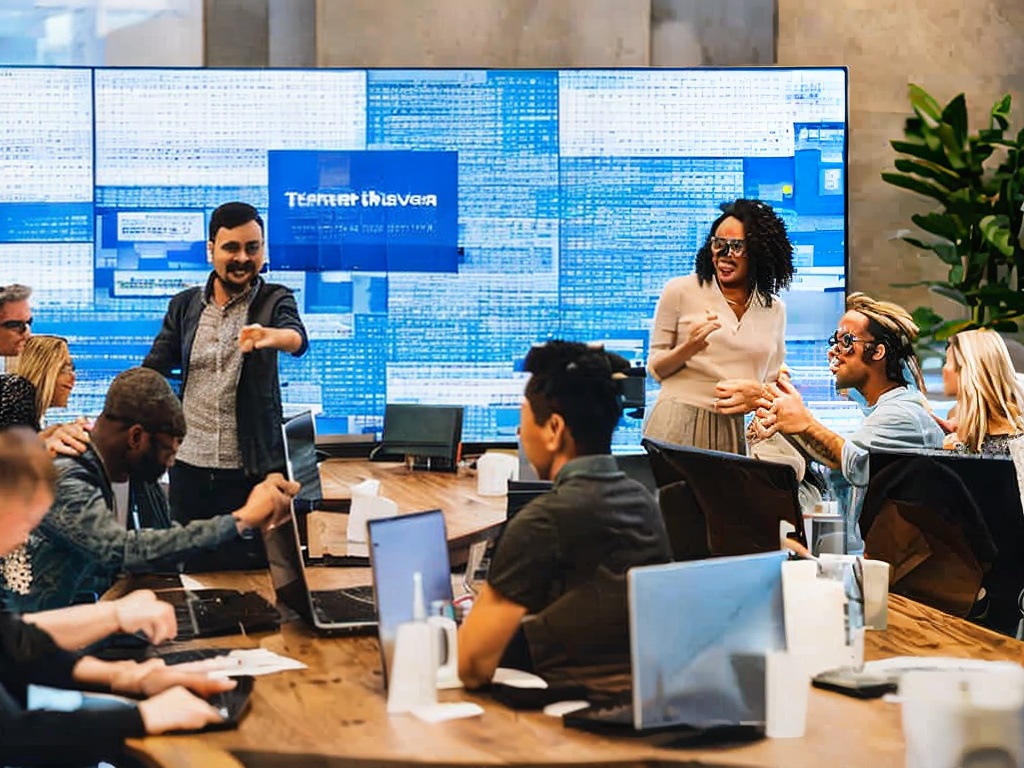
x: 719, y: 333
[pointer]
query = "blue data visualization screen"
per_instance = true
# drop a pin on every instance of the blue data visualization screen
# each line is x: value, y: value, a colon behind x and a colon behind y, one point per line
x: 433, y: 224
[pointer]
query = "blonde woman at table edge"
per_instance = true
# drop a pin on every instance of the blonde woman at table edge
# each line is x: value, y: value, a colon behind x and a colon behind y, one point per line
x: 719, y: 334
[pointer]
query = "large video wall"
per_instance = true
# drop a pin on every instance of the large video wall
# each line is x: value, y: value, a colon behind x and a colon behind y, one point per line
x: 433, y: 223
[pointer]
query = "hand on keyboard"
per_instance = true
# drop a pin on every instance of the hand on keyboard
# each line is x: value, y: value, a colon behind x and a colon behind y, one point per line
x: 153, y: 676
x: 141, y: 611
x: 176, y: 709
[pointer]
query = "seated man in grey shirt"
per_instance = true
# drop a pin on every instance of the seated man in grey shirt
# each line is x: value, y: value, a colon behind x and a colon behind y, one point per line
x: 80, y: 546
x: 562, y: 559
x: 871, y: 354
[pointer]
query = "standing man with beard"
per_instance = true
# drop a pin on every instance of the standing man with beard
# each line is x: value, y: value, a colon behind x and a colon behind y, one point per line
x: 94, y: 530
x: 222, y: 341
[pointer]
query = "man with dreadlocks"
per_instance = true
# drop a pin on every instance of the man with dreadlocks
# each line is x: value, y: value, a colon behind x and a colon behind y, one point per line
x: 870, y: 352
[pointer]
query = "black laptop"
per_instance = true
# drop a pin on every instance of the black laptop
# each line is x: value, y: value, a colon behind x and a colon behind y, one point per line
x: 215, y: 612
x: 338, y: 611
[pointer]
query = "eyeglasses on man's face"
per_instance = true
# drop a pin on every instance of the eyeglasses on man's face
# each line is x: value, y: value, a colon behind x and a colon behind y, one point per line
x: 736, y: 247
x: 68, y: 369
x: 18, y: 326
x: 845, y: 341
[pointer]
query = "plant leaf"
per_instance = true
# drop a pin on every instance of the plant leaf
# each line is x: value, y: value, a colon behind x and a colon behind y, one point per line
x: 916, y: 185
x: 951, y: 328
x: 950, y: 293
x: 921, y: 150
x: 926, y: 317
x: 996, y: 231
x: 1001, y: 112
x: 924, y: 103
x: 940, y: 224
x: 955, y: 117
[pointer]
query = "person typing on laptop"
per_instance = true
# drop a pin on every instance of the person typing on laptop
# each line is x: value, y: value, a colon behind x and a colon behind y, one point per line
x: 561, y: 561
x: 84, y: 541
x: 40, y: 648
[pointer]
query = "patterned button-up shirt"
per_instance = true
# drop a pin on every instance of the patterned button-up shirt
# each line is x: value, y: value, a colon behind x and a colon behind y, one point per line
x: 212, y: 386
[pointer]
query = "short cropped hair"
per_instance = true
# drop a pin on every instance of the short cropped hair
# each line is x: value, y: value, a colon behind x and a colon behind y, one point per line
x: 578, y: 383
x: 892, y: 327
x: 231, y: 215
x: 143, y: 396
x: 25, y: 464
x: 14, y: 292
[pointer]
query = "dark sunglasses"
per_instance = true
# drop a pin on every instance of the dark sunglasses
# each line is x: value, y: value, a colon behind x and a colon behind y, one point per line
x: 17, y: 325
x: 845, y: 342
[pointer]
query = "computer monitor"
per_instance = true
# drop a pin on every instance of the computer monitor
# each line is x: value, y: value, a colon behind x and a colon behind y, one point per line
x: 717, y: 503
x: 428, y: 435
x: 433, y: 224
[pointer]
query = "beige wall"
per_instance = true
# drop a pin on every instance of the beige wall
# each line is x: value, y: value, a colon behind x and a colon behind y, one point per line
x: 482, y: 33
x: 947, y: 47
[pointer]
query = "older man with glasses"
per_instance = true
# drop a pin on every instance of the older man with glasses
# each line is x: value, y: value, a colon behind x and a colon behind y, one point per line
x: 872, y: 356
x: 15, y: 319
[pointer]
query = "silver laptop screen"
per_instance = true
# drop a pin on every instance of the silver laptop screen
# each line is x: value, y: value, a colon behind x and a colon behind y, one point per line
x: 699, y: 631
x: 286, y: 571
x: 399, y: 547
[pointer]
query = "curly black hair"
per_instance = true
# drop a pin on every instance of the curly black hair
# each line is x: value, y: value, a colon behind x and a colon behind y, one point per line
x: 769, y: 251
x: 578, y: 382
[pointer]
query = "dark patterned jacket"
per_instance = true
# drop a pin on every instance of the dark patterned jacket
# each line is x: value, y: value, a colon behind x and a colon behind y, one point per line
x: 80, y: 547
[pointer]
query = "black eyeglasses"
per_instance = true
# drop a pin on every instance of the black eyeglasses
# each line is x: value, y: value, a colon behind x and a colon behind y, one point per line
x: 16, y: 325
x: 845, y: 341
x: 735, y: 247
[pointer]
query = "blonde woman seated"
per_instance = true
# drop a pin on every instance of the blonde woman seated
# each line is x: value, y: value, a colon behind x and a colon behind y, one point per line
x: 989, y: 398
x: 42, y: 378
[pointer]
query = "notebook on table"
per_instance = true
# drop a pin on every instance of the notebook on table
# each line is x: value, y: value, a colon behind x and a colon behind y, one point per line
x: 338, y: 611
x: 698, y: 667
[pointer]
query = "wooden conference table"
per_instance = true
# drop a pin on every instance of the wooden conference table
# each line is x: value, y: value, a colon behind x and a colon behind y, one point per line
x: 334, y: 712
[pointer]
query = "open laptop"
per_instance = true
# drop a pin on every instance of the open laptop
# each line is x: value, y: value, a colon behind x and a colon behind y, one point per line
x: 699, y: 665
x: 300, y: 458
x: 399, y: 547
x: 343, y: 611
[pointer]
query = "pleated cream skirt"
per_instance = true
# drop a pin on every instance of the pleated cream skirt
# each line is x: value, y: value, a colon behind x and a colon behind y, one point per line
x: 674, y: 422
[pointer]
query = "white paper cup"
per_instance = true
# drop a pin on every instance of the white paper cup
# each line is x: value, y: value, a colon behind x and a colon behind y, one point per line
x: 957, y: 719
x: 876, y: 594
x: 787, y: 689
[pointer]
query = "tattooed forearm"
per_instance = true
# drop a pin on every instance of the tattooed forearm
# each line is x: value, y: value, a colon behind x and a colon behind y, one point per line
x: 822, y: 444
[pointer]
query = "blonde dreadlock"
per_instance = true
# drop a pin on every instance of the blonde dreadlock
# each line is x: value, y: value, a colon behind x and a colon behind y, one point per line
x: 894, y: 328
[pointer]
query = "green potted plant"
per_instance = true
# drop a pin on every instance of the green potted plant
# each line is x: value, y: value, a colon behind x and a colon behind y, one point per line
x: 978, y: 181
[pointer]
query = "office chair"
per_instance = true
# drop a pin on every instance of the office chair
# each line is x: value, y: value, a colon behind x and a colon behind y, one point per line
x: 920, y: 517
x: 717, y: 504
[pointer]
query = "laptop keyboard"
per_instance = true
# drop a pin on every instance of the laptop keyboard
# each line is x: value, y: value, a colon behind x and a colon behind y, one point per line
x: 350, y: 604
